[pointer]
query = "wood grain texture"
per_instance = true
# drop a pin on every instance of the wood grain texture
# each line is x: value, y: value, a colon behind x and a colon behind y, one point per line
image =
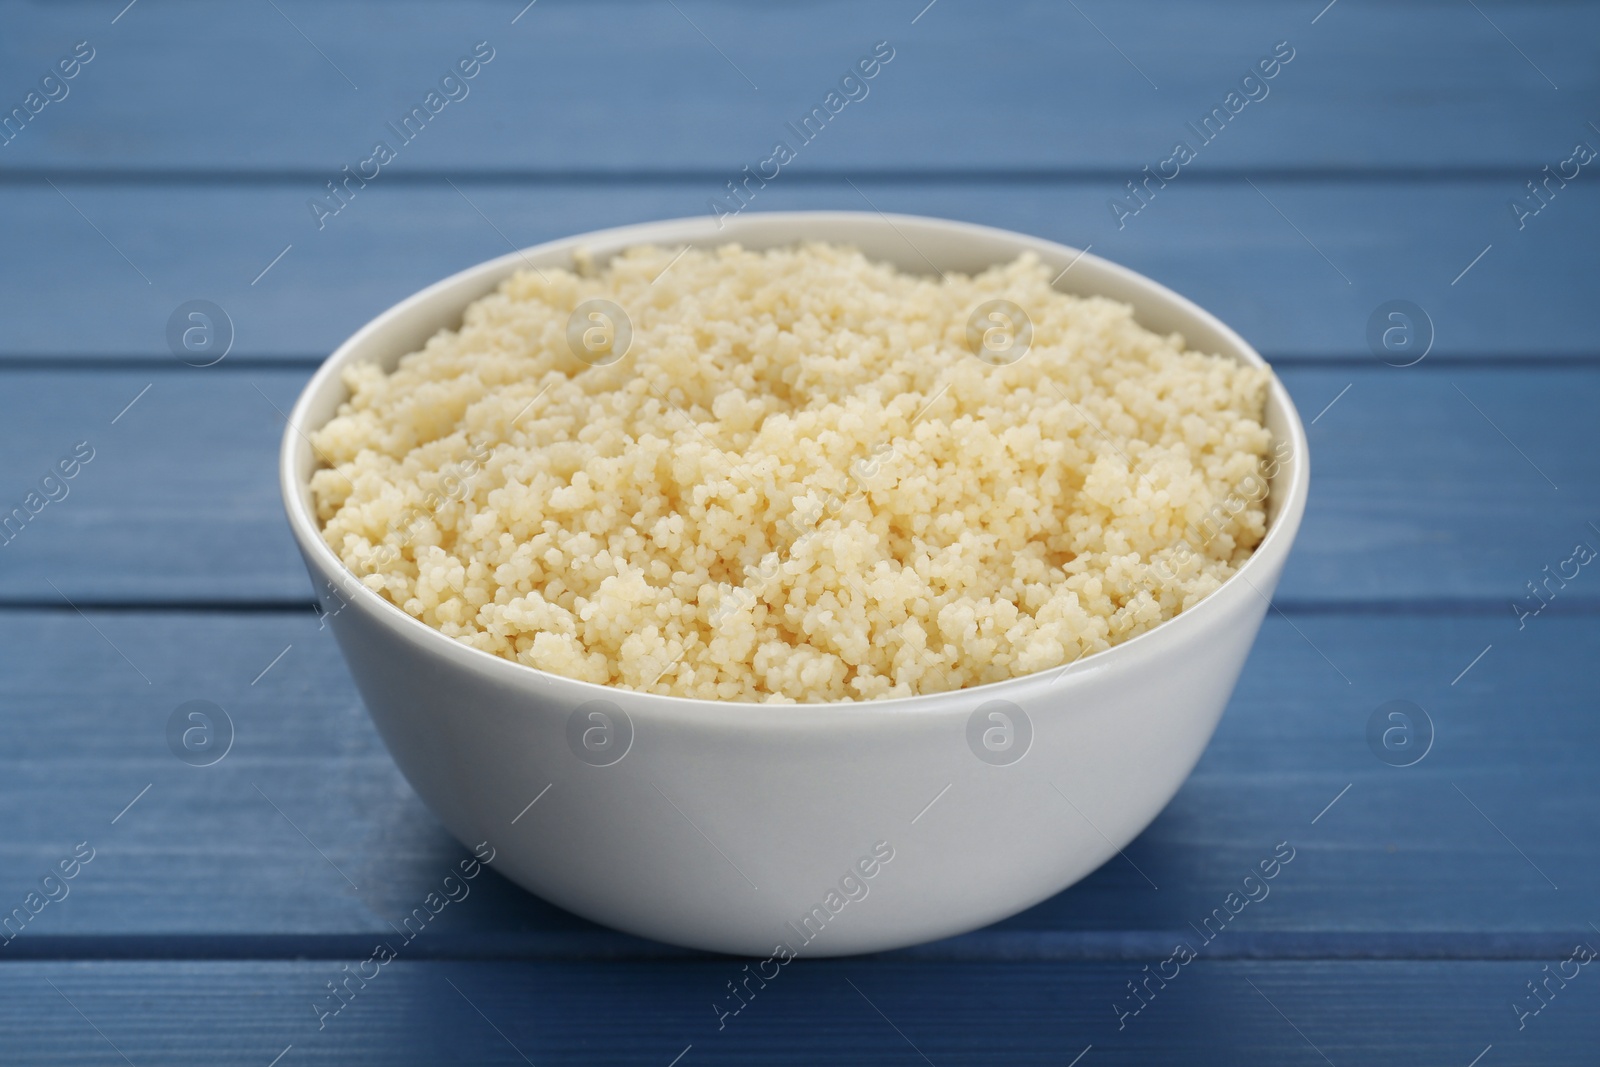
x: 861, y: 1011
x: 1428, y: 485
x: 629, y: 87
x: 1302, y: 268
x: 1407, y: 861
x: 222, y: 899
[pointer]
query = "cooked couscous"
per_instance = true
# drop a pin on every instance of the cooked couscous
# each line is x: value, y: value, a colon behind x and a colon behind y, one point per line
x: 794, y: 475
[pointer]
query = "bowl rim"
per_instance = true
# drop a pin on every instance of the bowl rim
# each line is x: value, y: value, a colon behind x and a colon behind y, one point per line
x: 703, y: 231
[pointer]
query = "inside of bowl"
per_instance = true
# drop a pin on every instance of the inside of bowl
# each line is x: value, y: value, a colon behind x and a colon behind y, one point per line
x: 914, y: 245
x: 927, y: 246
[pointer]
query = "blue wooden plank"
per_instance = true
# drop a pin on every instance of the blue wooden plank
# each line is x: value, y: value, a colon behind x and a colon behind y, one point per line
x: 1385, y: 162
x: 629, y: 87
x: 1416, y: 495
x: 847, y: 1012
x: 1411, y: 859
x: 1300, y: 272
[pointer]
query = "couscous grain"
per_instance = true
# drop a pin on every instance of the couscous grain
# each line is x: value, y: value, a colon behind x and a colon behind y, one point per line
x: 797, y: 482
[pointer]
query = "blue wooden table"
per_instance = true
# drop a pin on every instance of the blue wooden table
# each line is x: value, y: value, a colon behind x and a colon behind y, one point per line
x: 1439, y: 909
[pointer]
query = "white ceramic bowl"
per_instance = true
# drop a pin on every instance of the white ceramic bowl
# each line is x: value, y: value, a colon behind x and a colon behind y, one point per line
x: 828, y: 828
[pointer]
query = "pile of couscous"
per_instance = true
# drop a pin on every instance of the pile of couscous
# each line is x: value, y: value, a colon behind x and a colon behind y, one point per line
x: 794, y: 475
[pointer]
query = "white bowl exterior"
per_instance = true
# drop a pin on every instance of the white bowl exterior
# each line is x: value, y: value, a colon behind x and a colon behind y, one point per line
x: 725, y: 824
